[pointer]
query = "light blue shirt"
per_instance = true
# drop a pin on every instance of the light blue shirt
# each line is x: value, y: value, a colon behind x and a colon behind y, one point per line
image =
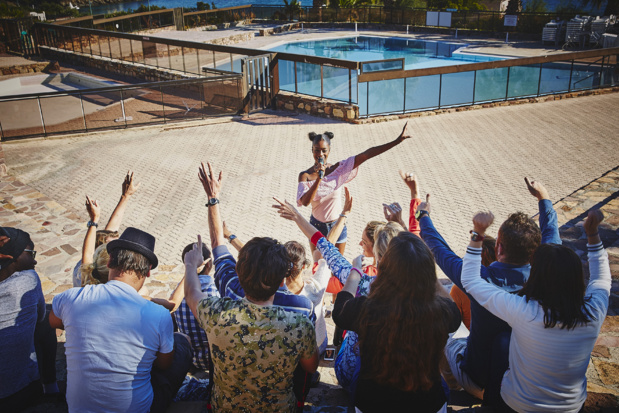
x: 113, y: 336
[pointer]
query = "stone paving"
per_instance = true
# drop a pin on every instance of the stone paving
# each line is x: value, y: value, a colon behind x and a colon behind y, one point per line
x: 467, y: 161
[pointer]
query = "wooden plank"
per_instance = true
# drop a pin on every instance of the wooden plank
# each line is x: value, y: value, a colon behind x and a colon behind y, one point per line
x: 195, y: 13
x: 317, y: 60
x: 525, y: 61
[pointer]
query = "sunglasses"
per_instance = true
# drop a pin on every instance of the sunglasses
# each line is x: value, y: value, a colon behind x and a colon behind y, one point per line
x: 33, y: 252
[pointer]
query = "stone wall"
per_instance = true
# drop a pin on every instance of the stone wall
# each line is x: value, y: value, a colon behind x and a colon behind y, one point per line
x: 3, y: 168
x: 325, y: 108
x: 135, y: 70
x: 30, y: 68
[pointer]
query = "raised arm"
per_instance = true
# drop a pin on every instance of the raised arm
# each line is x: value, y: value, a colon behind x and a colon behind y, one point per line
x: 193, y: 290
x: 90, y: 240
x: 127, y: 192
x: 410, y: 179
x: 232, y: 239
x: 377, y: 150
x: 599, y: 266
x: 212, y: 188
x: 336, y: 230
x: 548, y: 221
x: 393, y: 213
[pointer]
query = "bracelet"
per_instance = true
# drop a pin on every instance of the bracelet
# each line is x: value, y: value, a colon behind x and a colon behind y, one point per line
x: 421, y: 213
x: 343, y: 216
x: 356, y: 269
x: 92, y: 224
x: 476, y: 237
x: 231, y: 237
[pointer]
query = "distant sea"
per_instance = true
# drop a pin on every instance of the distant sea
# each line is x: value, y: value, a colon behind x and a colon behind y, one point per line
x: 132, y: 5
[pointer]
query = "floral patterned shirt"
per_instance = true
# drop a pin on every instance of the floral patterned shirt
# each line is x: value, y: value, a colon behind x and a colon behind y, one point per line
x: 254, y: 350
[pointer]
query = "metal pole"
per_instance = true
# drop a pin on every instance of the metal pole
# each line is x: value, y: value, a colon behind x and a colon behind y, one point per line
x: 41, y: 114
x: 507, y: 83
x: 404, y: 107
x: 162, y: 104
x: 349, y: 85
x: 539, y: 81
x: 295, y: 77
x: 367, y: 99
x: 122, y: 106
x: 83, y: 113
x: 322, y: 88
x: 131, y: 47
x: 183, y: 54
x: 440, y: 89
x: 569, y: 84
x: 474, y: 84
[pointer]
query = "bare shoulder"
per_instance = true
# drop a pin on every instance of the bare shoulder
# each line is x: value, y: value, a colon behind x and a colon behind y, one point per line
x: 306, y: 175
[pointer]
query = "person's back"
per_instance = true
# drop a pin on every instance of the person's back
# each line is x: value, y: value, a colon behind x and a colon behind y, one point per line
x: 112, y: 339
x: 255, y: 350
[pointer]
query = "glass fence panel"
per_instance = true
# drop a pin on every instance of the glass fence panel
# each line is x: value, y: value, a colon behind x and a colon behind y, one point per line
x: 610, y: 71
x: 104, y: 43
x: 555, y: 77
x: 363, y: 98
x: 308, y: 79
x: 182, y: 102
x: 386, y: 96
x: 176, y: 58
x: 523, y: 81
x: 335, y: 83
x: 491, y: 84
x: 206, y: 59
x: 422, y: 92
x: 286, y: 75
x: 163, y: 60
x: 586, y: 74
x: 191, y: 60
x: 116, y: 48
x: 143, y: 105
x: 149, y: 50
x: 125, y: 47
x: 221, y: 61
x: 382, y: 66
x: 20, y: 118
x: 103, y: 110
x: 95, y: 47
x: 138, y: 53
x: 77, y: 43
x: 62, y: 114
x: 457, y: 88
x: 222, y: 97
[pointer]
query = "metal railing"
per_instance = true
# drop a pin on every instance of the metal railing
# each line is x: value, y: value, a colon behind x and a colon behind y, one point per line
x: 75, y: 111
x: 401, y: 91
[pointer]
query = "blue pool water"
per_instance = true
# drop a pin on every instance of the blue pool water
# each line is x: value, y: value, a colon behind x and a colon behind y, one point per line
x: 425, y: 92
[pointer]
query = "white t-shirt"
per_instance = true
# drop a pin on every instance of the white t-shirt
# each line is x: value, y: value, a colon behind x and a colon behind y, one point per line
x: 113, y: 336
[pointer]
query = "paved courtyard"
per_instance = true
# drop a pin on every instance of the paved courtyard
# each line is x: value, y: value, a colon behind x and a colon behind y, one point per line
x: 467, y: 160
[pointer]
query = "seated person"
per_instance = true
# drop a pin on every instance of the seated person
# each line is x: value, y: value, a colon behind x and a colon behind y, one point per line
x: 24, y: 328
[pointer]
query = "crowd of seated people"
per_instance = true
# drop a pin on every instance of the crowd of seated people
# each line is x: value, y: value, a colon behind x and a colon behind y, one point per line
x: 526, y: 322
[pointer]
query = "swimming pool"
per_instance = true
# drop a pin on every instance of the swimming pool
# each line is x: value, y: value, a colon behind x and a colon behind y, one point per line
x: 409, y: 94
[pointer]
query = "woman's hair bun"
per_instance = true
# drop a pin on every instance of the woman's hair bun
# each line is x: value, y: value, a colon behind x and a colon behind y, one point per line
x: 312, y: 136
x: 329, y: 134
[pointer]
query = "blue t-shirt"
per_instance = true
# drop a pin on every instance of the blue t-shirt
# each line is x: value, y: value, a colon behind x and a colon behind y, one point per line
x: 21, y: 306
x: 113, y: 336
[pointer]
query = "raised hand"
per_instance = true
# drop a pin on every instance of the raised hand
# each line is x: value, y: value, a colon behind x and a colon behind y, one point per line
x: 358, y: 262
x: 410, y: 179
x: 94, y: 211
x: 212, y: 185
x: 406, y: 133
x: 286, y: 210
x: 194, y: 257
x: 347, y: 202
x: 594, y: 218
x: 3, y: 240
x: 227, y: 231
x: 481, y: 221
x: 128, y: 187
x: 424, y: 206
x: 393, y: 212
x: 536, y: 189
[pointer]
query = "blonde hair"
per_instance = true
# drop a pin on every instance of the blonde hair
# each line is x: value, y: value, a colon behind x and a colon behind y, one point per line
x: 97, y: 272
x: 382, y: 235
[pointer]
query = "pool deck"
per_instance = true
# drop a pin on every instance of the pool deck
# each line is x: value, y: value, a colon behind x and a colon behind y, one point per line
x: 466, y: 160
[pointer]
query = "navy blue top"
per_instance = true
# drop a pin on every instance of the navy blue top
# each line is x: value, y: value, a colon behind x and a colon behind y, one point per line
x: 511, y: 278
x: 228, y: 284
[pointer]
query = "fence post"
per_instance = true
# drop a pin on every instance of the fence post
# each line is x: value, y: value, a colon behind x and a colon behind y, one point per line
x: 83, y: 113
x: 122, y: 106
x: 322, y: 89
x: 474, y: 84
x: 539, y: 81
x: 162, y: 104
x: 41, y: 114
x: 440, y: 89
x: 507, y: 83
x: 569, y: 84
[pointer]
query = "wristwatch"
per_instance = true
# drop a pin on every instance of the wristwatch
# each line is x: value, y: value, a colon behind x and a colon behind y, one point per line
x: 211, y: 202
x: 231, y: 237
x: 92, y: 224
x: 420, y: 213
x: 475, y: 236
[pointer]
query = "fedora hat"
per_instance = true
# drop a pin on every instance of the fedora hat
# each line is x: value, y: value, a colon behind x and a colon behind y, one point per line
x: 136, y: 240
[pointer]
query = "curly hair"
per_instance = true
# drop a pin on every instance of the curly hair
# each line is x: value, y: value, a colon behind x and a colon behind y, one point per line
x: 519, y: 236
x: 404, y: 324
x: 262, y: 266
